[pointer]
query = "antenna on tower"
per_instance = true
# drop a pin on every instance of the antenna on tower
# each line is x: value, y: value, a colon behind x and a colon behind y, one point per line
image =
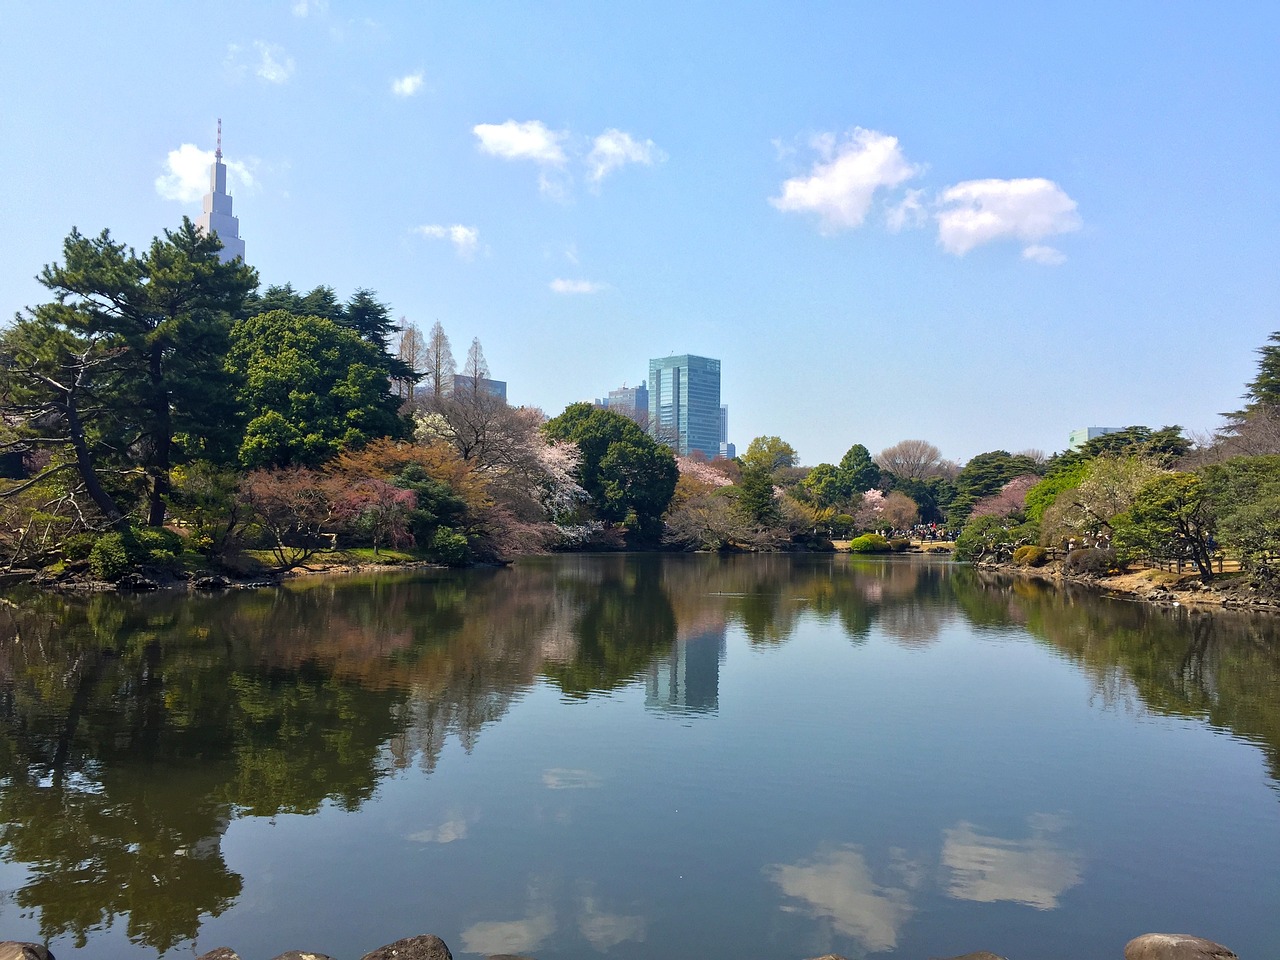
x: 218, y: 153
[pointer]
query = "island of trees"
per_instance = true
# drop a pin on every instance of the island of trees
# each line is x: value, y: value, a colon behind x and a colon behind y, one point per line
x: 163, y: 414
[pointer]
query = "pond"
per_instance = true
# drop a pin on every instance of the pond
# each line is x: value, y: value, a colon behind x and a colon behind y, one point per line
x: 639, y: 756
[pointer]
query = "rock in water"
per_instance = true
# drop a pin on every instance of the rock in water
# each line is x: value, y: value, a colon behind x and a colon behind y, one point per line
x: 302, y: 955
x: 1175, y: 946
x: 17, y: 950
x: 219, y: 953
x: 978, y: 955
x: 425, y: 947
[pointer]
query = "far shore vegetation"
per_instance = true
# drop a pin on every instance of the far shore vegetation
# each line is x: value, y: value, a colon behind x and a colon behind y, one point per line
x: 162, y: 415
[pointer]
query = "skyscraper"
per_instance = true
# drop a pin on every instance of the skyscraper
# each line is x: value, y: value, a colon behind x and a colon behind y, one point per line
x: 684, y: 403
x: 217, y: 216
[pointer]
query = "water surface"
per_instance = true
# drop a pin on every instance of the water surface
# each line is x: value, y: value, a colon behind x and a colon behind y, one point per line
x: 584, y: 757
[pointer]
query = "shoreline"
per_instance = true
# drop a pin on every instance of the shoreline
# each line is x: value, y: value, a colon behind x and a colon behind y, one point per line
x: 1149, y: 585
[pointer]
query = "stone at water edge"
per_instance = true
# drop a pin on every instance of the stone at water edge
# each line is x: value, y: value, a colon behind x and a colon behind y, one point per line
x: 219, y: 953
x: 1175, y: 946
x: 302, y: 955
x: 978, y: 955
x: 18, y: 950
x: 425, y: 947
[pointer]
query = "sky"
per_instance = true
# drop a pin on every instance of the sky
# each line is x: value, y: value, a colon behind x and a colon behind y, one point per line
x: 981, y: 225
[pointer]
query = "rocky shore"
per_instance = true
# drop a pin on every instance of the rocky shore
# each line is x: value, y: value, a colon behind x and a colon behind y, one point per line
x: 1233, y: 591
x: 1149, y: 946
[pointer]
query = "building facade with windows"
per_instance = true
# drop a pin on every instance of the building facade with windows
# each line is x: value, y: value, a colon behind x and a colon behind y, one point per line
x: 684, y: 403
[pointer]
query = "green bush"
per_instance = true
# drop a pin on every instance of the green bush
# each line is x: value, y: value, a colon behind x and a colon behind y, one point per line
x: 109, y: 559
x: 898, y: 544
x: 869, y: 543
x: 152, y: 540
x: 1029, y: 555
x: 449, y: 547
x: 77, y: 546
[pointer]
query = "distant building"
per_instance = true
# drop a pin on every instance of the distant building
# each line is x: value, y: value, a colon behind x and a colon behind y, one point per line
x: 217, y: 216
x: 631, y: 402
x: 464, y: 384
x: 684, y: 403
x: 1083, y: 435
x: 727, y: 449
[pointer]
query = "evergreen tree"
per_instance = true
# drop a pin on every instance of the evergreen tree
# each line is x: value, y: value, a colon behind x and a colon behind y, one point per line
x: 163, y: 319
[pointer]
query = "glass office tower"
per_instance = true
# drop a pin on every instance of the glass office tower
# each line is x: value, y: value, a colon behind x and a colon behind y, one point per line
x: 684, y: 403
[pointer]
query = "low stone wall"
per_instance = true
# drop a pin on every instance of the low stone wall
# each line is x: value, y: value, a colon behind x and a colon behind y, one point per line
x: 1149, y: 946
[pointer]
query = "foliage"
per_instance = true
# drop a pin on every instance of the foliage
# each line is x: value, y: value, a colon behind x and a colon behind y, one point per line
x: 1106, y: 491
x: 1008, y: 501
x: 205, y: 499
x: 311, y: 388
x: 768, y: 454
x: 859, y: 469
x: 1246, y: 493
x: 1041, y: 496
x: 992, y: 538
x: 135, y: 344
x: 1091, y: 561
x: 757, y: 500
x: 869, y: 543
x: 1264, y: 389
x: 1171, y: 517
x: 1030, y: 555
x: 110, y: 558
x: 629, y: 478
x: 984, y: 476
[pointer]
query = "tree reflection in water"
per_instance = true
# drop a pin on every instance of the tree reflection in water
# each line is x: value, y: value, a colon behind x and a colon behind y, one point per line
x: 135, y: 730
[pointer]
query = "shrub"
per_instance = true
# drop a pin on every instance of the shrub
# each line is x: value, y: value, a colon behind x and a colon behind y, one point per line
x: 449, y: 547
x: 1030, y: 555
x: 155, y: 539
x: 1090, y: 561
x: 77, y: 546
x: 898, y: 544
x: 869, y: 543
x: 109, y: 559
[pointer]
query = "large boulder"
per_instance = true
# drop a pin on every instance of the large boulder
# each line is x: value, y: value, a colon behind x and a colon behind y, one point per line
x: 302, y: 955
x: 978, y: 955
x: 219, y: 953
x: 19, y: 950
x: 1175, y: 946
x: 425, y: 947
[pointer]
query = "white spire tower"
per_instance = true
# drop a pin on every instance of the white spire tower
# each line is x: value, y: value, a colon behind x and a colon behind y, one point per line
x: 217, y: 216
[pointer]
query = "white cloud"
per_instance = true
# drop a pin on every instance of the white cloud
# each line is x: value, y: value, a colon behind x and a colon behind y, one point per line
x: 839, y: 888
x: 509, y: 936
x: 303, y: 8
x: 575, y: 286
x: 274, y: 65
x: 407, y: 85
x: 606, y: 930
x: 981, y: 211
x: 561, y: 778
x: 466, y: 240
x: 530, y: 140
x: 186, y: 176
x: 908, y: 212
x: 840, y: 187
x: 987, y: 869
x: 615, y: 148
x: 1049, y: 256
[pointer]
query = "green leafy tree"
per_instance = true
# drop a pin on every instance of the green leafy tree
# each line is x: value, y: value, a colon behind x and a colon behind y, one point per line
x: 1043, y: 494
x: 1246, y: 494
x: 310, y: 389
x: 756, y: 500
x: 770, y: 454
x: 859, y: 469
x: 163, y: 319
x: 1264, y: 389
x: 983, y: 477
x: 628, y: 476
x: 1171, y: 517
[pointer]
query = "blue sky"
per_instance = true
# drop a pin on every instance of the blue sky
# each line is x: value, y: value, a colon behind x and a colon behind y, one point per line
x: 980, y: 225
